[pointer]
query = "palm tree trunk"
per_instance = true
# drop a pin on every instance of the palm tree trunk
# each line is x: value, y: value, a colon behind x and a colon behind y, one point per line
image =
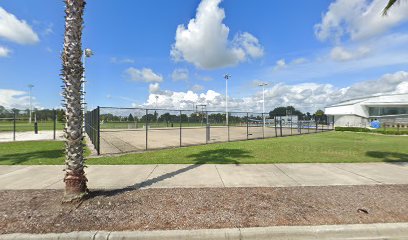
x: 72, y: 69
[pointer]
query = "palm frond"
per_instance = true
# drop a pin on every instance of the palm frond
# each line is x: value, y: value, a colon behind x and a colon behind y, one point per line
x: 389, y: 5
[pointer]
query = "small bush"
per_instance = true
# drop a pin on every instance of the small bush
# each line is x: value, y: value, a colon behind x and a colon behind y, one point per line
x: 352, y: 129
x: 381, y: 130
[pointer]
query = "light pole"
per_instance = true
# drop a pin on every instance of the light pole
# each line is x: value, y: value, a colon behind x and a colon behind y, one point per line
x: 87, y: 53
x: 226, y: 76
x: 263, y: 101
x: 30, y: 86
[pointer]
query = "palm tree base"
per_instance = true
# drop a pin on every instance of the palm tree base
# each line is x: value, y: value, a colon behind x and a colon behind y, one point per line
x: 75, y: 188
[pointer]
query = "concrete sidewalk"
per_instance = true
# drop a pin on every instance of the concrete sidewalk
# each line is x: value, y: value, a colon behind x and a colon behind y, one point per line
x: 209, y: 175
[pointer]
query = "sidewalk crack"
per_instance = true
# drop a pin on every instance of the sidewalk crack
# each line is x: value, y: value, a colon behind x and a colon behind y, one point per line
x: 219, y: 175
x: 357, y: 174
x: 287, y: 175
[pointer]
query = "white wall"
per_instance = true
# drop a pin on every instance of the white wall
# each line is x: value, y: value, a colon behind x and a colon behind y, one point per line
x: 350, y: 121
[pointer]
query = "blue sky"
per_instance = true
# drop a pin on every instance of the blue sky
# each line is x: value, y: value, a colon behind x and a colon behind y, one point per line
x: 311, y: 53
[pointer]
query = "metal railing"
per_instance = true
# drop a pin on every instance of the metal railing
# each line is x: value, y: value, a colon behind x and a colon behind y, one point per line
x: 120, y: 130
x: 92, y: 129
x: 15, y: 125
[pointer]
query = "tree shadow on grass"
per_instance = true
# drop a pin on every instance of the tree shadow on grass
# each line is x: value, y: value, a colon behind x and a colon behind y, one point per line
x: 390, y: 157
x: 219, y: 156
x: 19, y: 158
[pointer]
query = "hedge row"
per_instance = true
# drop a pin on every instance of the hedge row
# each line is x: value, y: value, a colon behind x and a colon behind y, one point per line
x: 381, y: 130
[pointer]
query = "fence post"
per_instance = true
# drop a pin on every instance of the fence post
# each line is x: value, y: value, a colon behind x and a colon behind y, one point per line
x: 247, y: 126
x: 280, y: 125
x: 290, y: 125
x: 180, y: 128
x: 300, y: 127
x: 276, y: 131
x: 147, y: 126
x: 98, y: 150
x: 207, y: 128
x: 55, y: 123
x: 14, y: 126
x: 263, y: 126
x: 228, y: 130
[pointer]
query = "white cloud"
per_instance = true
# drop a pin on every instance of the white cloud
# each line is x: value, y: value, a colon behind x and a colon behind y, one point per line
x: 197, y: 88
x: 4, y: 52
x: 180, y: 74
x: 280, y: 64
x: 143, y: 75
x: 358, y: 19
x: 341, y: 54
x: 10, y: 98
x: 121, y: 60
x: 16, y: 30
x: 154, y: 87
x: 373, y: 54
x: 205, y: 42
x: 304, y: 96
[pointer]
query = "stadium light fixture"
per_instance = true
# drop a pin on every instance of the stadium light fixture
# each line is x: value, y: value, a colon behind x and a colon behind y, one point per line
x: 226, y: 76
x: 263, y: 100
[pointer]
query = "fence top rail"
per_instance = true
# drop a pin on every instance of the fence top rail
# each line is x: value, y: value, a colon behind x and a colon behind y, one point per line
x: 178, y: 110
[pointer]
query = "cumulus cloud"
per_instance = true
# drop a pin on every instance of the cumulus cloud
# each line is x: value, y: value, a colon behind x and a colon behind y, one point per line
x: 341, y: 54
x: 4, y: 52
x: 304, y: 96
x: 10, y: 98
x: 154, y: 87
x: 280, y: 64
x: 180, y: 74
x: 143, y: 75
x: 358, y: 19
x: 16, y: 30
x: 205, y: 42
x: 197, y: 88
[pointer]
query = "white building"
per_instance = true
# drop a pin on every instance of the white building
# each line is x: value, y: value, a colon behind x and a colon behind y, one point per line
x: 360, y: 112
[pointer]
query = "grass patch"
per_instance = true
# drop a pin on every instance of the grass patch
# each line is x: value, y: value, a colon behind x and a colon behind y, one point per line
x: 329, y: 147
x: 33, y: 153
x: 23, y: 126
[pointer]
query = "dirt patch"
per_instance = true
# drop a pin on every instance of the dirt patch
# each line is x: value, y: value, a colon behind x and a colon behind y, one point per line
x: 40, y: 211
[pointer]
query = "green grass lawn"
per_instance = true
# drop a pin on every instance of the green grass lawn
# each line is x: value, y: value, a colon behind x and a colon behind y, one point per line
x: 33, y: 153
x: 322, y: 147
x: 24, y: 126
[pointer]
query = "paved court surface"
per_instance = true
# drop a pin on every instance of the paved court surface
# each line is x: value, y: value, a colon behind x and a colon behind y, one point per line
x: 31, y: 136
x: 209, y: 175
x: 130, y: 140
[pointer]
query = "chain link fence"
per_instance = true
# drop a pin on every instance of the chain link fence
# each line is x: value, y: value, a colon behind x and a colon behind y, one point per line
x: 20, y: 125
x: 121, y: 130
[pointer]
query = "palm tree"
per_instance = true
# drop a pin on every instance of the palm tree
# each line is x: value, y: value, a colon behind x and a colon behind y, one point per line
x: 72, y: 69
x: 389, y: 5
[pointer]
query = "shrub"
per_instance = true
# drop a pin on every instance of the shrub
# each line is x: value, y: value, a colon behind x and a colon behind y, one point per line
x: 382, y: 131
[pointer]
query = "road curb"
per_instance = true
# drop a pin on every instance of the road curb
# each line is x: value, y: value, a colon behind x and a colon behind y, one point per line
x: 335, y: 232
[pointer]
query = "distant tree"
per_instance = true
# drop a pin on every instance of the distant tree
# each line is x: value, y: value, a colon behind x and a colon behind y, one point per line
x: 131, y: 118
x: 283, y: 111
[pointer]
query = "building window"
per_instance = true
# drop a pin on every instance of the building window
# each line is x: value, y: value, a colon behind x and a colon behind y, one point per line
x: 381, y: 111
